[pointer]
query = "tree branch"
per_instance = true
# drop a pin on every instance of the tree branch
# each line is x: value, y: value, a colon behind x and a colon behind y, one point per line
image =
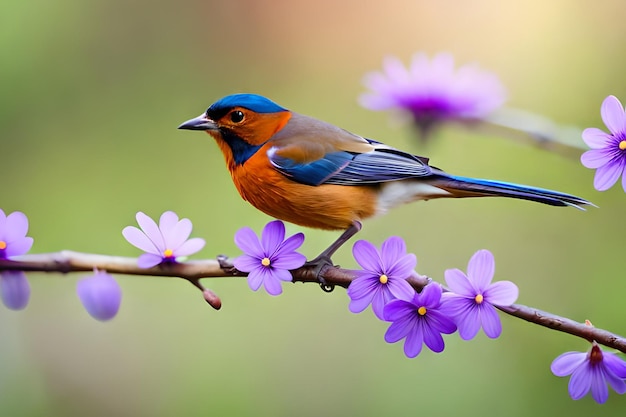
x: 68, y: 261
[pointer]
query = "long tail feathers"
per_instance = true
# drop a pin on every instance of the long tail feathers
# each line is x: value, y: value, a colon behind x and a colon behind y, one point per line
x: 474, y: 187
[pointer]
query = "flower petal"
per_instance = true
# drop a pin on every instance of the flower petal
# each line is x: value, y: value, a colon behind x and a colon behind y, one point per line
x: 148, y: 260
x: 14, y: 289
x: 599, y: 390
x: 465, y: 313
x: 480, y: 269
x: 19, y: 247
x: 175, y: 236
x: 16, y: 226
x: 151, y: 230
x: 256, y: 278
x: 365, y: 285
x: 414, y: 341
x: 392, y: 249
x: 283, y: 274
x: 367, y: 256
x: 272, y: 284
x: 358, y: 305
x: 400, y: 288
x: 566, y: 363
x: 595, y: 158
x: 381, y: 297
x: 272, y: 236
x: 458, y: 283
x: 395, y: 70
x: 618, y: 384
x: 397, y: 310
x: 612, y: 113
x: 361, y: 292
x: 402, y: 267
x: 100, y: 294
x: 432, y: 338
x: 490, y: 320
x: 289, y: 261
x: 246, y: 263
x: 501, y: 293
x: 607, y: 175
x: 290, y: 244
x: 615, y: 364
x: 596, y: 138
x: 190, y: 247
x: 440, y: 321
x: 399, y: 329
x: 167, y: 222
x: 430, y: 297
x: 137, y: 238
x: 580, y: 382
x: 248, y: 242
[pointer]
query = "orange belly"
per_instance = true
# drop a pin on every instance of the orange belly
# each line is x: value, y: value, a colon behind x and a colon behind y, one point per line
x: 330, y: 207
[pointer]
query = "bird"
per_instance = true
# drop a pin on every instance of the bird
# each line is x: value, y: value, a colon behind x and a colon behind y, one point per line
x: 311, y: 173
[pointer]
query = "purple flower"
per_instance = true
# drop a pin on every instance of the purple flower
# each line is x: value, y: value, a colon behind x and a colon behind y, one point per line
x: 100, y: 294
x: 432, y: 91
x: 473, y: 296
x: 420, y: 320
x: 591, y: 370
x: 13, y: 239
x: 384, y: 275
x: 268, y: 261
x: 163, y: 243
x: 14, y: 287
x: 608, y: 150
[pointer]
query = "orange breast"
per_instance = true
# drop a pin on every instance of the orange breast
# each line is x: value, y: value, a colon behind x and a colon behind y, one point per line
x: 323, y: 207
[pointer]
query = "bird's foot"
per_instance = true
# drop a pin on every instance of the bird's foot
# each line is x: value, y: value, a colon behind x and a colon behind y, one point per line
x: 317, y: 266
x: 324, y: 259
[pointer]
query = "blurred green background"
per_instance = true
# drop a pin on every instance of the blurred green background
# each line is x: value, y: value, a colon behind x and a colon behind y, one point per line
x: 92, y: 93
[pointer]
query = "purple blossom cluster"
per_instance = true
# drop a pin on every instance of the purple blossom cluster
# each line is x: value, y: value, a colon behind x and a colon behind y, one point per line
x: 421, y: 318
x: 469, y: 304
x: 432, y: 91
x: 99, y: 292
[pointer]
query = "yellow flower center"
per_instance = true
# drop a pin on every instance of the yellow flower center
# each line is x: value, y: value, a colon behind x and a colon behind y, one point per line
x: 383, y: 279
x: 478, y: 298
x: 421, y: 311
x: 3, y: 244
x: 265, y: 261
x: 622, y: 145
x: 168, y: 253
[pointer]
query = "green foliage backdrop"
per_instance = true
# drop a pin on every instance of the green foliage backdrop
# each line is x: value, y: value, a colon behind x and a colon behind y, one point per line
x: 91, y: 95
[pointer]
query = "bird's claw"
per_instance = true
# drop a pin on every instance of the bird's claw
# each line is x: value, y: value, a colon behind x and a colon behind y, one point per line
x: 317, y: 266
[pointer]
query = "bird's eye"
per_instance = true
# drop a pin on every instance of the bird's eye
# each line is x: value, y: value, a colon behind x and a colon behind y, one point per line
x: 236, y: 116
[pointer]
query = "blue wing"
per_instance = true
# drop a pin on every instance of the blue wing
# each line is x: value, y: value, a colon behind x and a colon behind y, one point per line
x: 382, y: 164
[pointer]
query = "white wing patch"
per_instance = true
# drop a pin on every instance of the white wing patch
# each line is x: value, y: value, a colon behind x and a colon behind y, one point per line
x: 396, y: 193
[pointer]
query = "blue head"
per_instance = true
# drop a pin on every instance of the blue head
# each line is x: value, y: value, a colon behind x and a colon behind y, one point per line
x: 253, y: 102
x: 242, y: 122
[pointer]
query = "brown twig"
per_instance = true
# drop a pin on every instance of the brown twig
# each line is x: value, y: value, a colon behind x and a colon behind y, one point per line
x: 192, y: 271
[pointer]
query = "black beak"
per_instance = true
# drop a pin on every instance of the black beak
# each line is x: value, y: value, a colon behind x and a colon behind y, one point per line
x: 201, y: 122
